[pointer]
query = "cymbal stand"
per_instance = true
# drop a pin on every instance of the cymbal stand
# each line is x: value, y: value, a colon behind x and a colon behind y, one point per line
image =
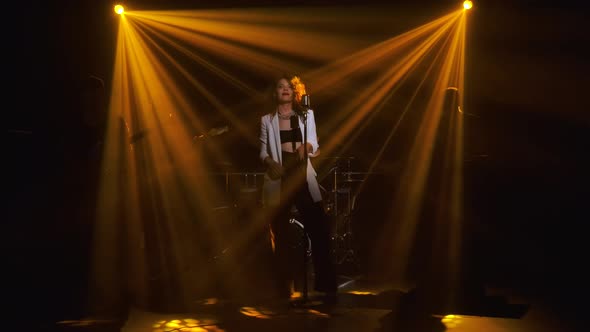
x: 344, y: 250
x: 347, y: 253
x: 335, y: 192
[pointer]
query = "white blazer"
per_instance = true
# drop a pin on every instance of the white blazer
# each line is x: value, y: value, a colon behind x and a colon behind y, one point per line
x: 270, y: 145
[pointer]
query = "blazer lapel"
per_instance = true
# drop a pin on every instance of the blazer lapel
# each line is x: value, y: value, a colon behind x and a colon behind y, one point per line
x: 277, y: 138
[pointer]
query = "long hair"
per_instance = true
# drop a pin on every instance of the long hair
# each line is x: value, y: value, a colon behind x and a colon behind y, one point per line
x: 298, y: 91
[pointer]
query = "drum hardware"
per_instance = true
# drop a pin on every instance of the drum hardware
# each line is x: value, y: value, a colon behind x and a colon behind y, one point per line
x: 240, y: 183
x: 345, y: 186
x: 241, y: 196
x: 301, y: 238
x: 340, y: 205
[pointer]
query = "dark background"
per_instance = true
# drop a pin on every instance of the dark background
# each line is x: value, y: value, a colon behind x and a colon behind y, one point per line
x: 526, y: 79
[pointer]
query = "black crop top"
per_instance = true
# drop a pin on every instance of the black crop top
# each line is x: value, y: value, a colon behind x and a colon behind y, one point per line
x: 291, y: 135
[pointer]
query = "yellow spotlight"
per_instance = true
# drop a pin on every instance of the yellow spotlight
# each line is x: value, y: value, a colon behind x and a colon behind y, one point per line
x: 119, y: 9
x: 467, y: 4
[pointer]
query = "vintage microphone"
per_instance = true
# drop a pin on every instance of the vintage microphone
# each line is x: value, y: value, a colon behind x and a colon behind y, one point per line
x: 305, y: 102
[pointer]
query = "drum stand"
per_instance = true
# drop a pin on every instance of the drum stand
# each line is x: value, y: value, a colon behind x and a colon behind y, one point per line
x: 343, y: 239
x: 305, y: 263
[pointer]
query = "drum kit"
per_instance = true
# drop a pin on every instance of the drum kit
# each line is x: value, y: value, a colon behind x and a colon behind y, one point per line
x: 340, y: 188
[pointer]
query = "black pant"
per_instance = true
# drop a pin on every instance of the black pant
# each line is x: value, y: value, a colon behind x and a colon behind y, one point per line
x: 295, y: 191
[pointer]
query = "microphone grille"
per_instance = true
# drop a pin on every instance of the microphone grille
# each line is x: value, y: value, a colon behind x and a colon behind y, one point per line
x: 305, y: 101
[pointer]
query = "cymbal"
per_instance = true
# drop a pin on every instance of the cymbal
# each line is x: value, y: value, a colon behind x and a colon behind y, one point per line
x: 223, y: 163
x: 212, y: 133
x: 337, y: 158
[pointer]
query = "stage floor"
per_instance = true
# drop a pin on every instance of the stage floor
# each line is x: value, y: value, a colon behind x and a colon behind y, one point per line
x: 362, y: 306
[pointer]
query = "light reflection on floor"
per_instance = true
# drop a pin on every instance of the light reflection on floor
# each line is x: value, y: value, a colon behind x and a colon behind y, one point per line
x: 358, y: 309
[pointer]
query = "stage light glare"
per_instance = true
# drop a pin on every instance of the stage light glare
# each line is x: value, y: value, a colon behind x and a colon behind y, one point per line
x: 451, y: 321
x: 467, y: 4
x: 119, y: 9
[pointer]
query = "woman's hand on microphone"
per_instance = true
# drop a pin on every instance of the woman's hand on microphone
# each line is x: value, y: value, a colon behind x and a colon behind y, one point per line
x: 301, y: 151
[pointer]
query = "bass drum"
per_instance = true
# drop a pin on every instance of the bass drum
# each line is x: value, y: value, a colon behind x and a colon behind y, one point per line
x: 298, y: 239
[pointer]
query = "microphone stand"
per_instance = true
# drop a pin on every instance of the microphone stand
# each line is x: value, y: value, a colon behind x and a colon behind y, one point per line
x: 305, y: 236
x: 305, y: 160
